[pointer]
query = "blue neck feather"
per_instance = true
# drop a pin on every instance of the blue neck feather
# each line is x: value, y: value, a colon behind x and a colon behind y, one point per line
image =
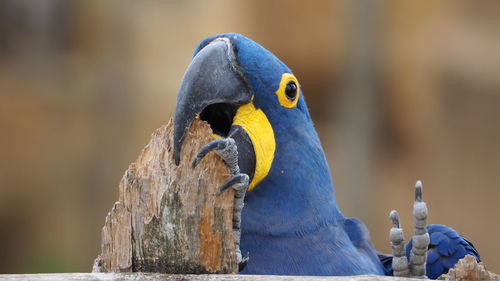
x: 296, y: 196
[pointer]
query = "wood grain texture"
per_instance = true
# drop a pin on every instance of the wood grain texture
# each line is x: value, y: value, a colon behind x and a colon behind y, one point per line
x: 169, y: 218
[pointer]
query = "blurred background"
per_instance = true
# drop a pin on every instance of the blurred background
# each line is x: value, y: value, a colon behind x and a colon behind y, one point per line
x: 399, y: 91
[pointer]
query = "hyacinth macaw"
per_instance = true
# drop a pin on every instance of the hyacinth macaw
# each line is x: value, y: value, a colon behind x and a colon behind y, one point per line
x: 286, y: 219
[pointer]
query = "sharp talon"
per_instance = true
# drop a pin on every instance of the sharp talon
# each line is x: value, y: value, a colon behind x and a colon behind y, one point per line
x: 244, y: 261
x: 394, y: 216
x: 418, y: 191
x: 213, y: 145
x: 226, y: 149
x: 238, y: 182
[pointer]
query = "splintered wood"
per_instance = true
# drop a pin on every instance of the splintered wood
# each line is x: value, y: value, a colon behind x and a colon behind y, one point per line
x: 468, y: 269
x: 170, y: 218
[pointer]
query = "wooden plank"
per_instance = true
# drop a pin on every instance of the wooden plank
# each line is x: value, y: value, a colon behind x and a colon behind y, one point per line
x: 137, y: 276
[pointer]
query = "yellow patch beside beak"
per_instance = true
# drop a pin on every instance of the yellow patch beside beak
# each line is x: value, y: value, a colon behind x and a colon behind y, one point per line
x: 260, y: 131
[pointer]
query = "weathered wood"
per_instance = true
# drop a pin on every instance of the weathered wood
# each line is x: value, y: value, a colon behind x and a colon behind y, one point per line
x: 169, y: 218
x: 468, y: 269
x: 138, y: 276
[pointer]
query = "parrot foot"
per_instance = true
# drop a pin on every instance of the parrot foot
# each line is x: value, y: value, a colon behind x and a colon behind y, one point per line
x: 416, y: 268
x: 227, y: 150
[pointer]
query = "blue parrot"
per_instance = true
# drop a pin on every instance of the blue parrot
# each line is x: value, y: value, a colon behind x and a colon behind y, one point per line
x: 286, y: 219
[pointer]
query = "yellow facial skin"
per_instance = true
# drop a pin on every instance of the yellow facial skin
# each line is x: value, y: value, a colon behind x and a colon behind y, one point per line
x: 260, y: 131
x: 282, y: 98
x: 258, y: 128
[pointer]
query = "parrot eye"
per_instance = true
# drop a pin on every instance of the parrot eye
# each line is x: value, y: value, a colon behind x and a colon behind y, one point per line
x: 291, y: 90
x: 288, y: 91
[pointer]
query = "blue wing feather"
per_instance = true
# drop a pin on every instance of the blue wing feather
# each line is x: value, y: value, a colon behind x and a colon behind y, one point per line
x: 446, y: 248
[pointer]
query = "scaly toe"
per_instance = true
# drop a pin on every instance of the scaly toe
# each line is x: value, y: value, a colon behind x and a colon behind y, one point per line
x: 237, y: 182
x: 215, y: 145
x: 420, y: 239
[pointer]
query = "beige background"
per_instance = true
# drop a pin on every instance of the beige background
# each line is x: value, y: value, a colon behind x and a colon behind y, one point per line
x: 399, y: 90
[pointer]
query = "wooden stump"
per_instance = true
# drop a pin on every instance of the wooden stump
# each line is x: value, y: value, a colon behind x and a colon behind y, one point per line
x: 170, y: 218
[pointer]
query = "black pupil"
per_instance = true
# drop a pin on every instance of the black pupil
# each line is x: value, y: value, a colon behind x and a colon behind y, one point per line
x: 291, y: 90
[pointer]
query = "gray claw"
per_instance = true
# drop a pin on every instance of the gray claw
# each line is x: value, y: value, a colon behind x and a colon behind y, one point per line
x: 243, y: 263
x: 394, y: 216
x: 226, y: 149
x: 418, y: 191
x: 214, y: 145
x: 238, y: 182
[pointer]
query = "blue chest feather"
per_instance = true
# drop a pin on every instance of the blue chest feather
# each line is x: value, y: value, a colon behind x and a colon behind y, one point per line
x: 324, y: 251
x: 291, y: 223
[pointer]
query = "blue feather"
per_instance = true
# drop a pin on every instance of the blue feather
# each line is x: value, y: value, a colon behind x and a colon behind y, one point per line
x: 446, y: 248
x: 432, y: 256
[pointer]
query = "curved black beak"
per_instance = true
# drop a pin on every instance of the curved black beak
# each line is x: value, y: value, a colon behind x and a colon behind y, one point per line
x: 211, y: 79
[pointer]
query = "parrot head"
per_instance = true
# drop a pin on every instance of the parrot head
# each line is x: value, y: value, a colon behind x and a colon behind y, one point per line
x: 245, y: 92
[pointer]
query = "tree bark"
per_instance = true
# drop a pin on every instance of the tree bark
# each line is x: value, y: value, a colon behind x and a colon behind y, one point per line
x: 169, y: 218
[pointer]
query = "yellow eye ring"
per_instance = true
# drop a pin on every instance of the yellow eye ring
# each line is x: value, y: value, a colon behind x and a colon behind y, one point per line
x: 288, y: 91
